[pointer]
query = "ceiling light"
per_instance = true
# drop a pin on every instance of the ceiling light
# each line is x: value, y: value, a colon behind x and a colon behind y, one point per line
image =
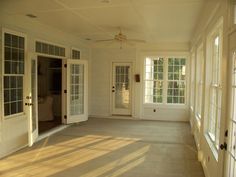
x: 31, y: 15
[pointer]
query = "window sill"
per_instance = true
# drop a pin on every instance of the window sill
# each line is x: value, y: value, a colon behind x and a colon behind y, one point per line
x: 212, y: 146
x: 14, y: 116
x: 159, y: 105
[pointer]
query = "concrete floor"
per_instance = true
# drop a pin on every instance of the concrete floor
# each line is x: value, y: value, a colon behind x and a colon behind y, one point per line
x: 110, y: 148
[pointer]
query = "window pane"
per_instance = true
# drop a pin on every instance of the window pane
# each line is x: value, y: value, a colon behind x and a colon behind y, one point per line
x: 21, y: 43
x: 15, y: 42
x: 154, y: 68
x: 7, y: 110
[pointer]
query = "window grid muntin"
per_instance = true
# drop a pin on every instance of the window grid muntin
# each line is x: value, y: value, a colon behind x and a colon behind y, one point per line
x: 192, y: 100
x: 122, y: 86
x: 76, y: 54
x: 200, y: 82
x: 176, y: 81
x: 214, y: 114
x: 77, y: 89
x: 49, y: 49
x: 154, y: 76
x: 14, y: 55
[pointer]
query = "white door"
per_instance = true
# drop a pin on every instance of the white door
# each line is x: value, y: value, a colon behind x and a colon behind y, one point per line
x: 121, y: 89
x: 231, y: 149
x: 31, y: 99
x: 77, y: 91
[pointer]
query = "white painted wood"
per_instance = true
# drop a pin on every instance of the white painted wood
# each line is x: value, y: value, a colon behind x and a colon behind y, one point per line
x: 78, y: 116
x: 32, y: 111
x: 118, y: 110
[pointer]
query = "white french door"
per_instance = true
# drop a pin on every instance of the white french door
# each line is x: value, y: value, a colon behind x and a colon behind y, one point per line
x: 31, y: 99
x: 231, y: 149
x: 121, y: 89
x: 77, y: 91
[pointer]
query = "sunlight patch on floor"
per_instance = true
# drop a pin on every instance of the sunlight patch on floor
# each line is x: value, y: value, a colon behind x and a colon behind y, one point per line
x: 51, y: 159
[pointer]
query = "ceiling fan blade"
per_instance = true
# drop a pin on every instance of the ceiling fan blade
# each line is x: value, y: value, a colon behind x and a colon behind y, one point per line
x: 105, y: 40
x: 136, y: 40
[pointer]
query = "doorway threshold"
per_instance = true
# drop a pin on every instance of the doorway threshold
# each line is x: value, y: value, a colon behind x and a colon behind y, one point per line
x: 52, y: 131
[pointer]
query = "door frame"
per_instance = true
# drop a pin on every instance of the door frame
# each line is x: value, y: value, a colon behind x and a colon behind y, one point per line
x: 63, y: 81
x: 130, y: 63
x: 228, y: 125
x: 32, y: 136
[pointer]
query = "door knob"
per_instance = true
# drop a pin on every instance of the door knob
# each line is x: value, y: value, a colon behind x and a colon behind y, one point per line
x: 223, y: 146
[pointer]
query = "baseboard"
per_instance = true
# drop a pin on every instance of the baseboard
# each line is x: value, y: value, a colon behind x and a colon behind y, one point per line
x: 113, y: 117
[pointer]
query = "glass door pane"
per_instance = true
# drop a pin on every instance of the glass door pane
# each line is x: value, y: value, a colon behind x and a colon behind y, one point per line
x: 122, y: 92
x: 77, y: 89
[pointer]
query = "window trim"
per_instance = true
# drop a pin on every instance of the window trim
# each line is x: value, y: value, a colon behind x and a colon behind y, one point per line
x: 200, y: 84
x: 51, y: 43
x: 165, y: 56
x: 217, y: 30
x: 21, y: 34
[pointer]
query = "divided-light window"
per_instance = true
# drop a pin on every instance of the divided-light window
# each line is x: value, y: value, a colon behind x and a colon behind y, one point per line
x: 154, y: 80
x: 14, y: 58
x: 165, y: 80
x: 199, y: 82
x: 176, y: 80
x: 215, y: 92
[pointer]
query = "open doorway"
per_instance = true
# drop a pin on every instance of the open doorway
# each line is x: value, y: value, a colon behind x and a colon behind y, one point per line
x: 49, y: 93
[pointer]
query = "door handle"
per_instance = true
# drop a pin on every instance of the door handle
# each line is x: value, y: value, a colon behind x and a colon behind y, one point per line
x: 28, y: 104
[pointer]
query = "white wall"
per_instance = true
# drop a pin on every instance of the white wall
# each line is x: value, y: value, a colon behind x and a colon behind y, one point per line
x: 14, y: 131
x: 101, y: 71
x: 211, y: 14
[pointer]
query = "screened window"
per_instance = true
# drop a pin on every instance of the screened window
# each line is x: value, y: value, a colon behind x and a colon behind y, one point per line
x: 215, y: 92
x: 14, y: 57
x: 154, y: 80
x: 176, y: 80
x: 165, y: 80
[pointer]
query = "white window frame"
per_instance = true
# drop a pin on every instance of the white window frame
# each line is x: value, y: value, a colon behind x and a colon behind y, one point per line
x: 199, y: 83
x: 51, y: 43
x: 192, y: 80
x: 71, y: 53
x: 213, y: 139
x: 154, y: 80
x: 12, y: 32
x: 165, y: 80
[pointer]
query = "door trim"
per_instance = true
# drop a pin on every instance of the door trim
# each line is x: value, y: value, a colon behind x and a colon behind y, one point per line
x: 130, y: 63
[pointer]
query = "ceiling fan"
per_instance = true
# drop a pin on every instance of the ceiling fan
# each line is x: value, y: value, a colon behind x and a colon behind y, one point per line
x: 121, y: 38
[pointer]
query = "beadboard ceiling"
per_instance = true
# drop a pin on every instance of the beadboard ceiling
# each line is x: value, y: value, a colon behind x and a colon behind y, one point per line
x: 156, y: 21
